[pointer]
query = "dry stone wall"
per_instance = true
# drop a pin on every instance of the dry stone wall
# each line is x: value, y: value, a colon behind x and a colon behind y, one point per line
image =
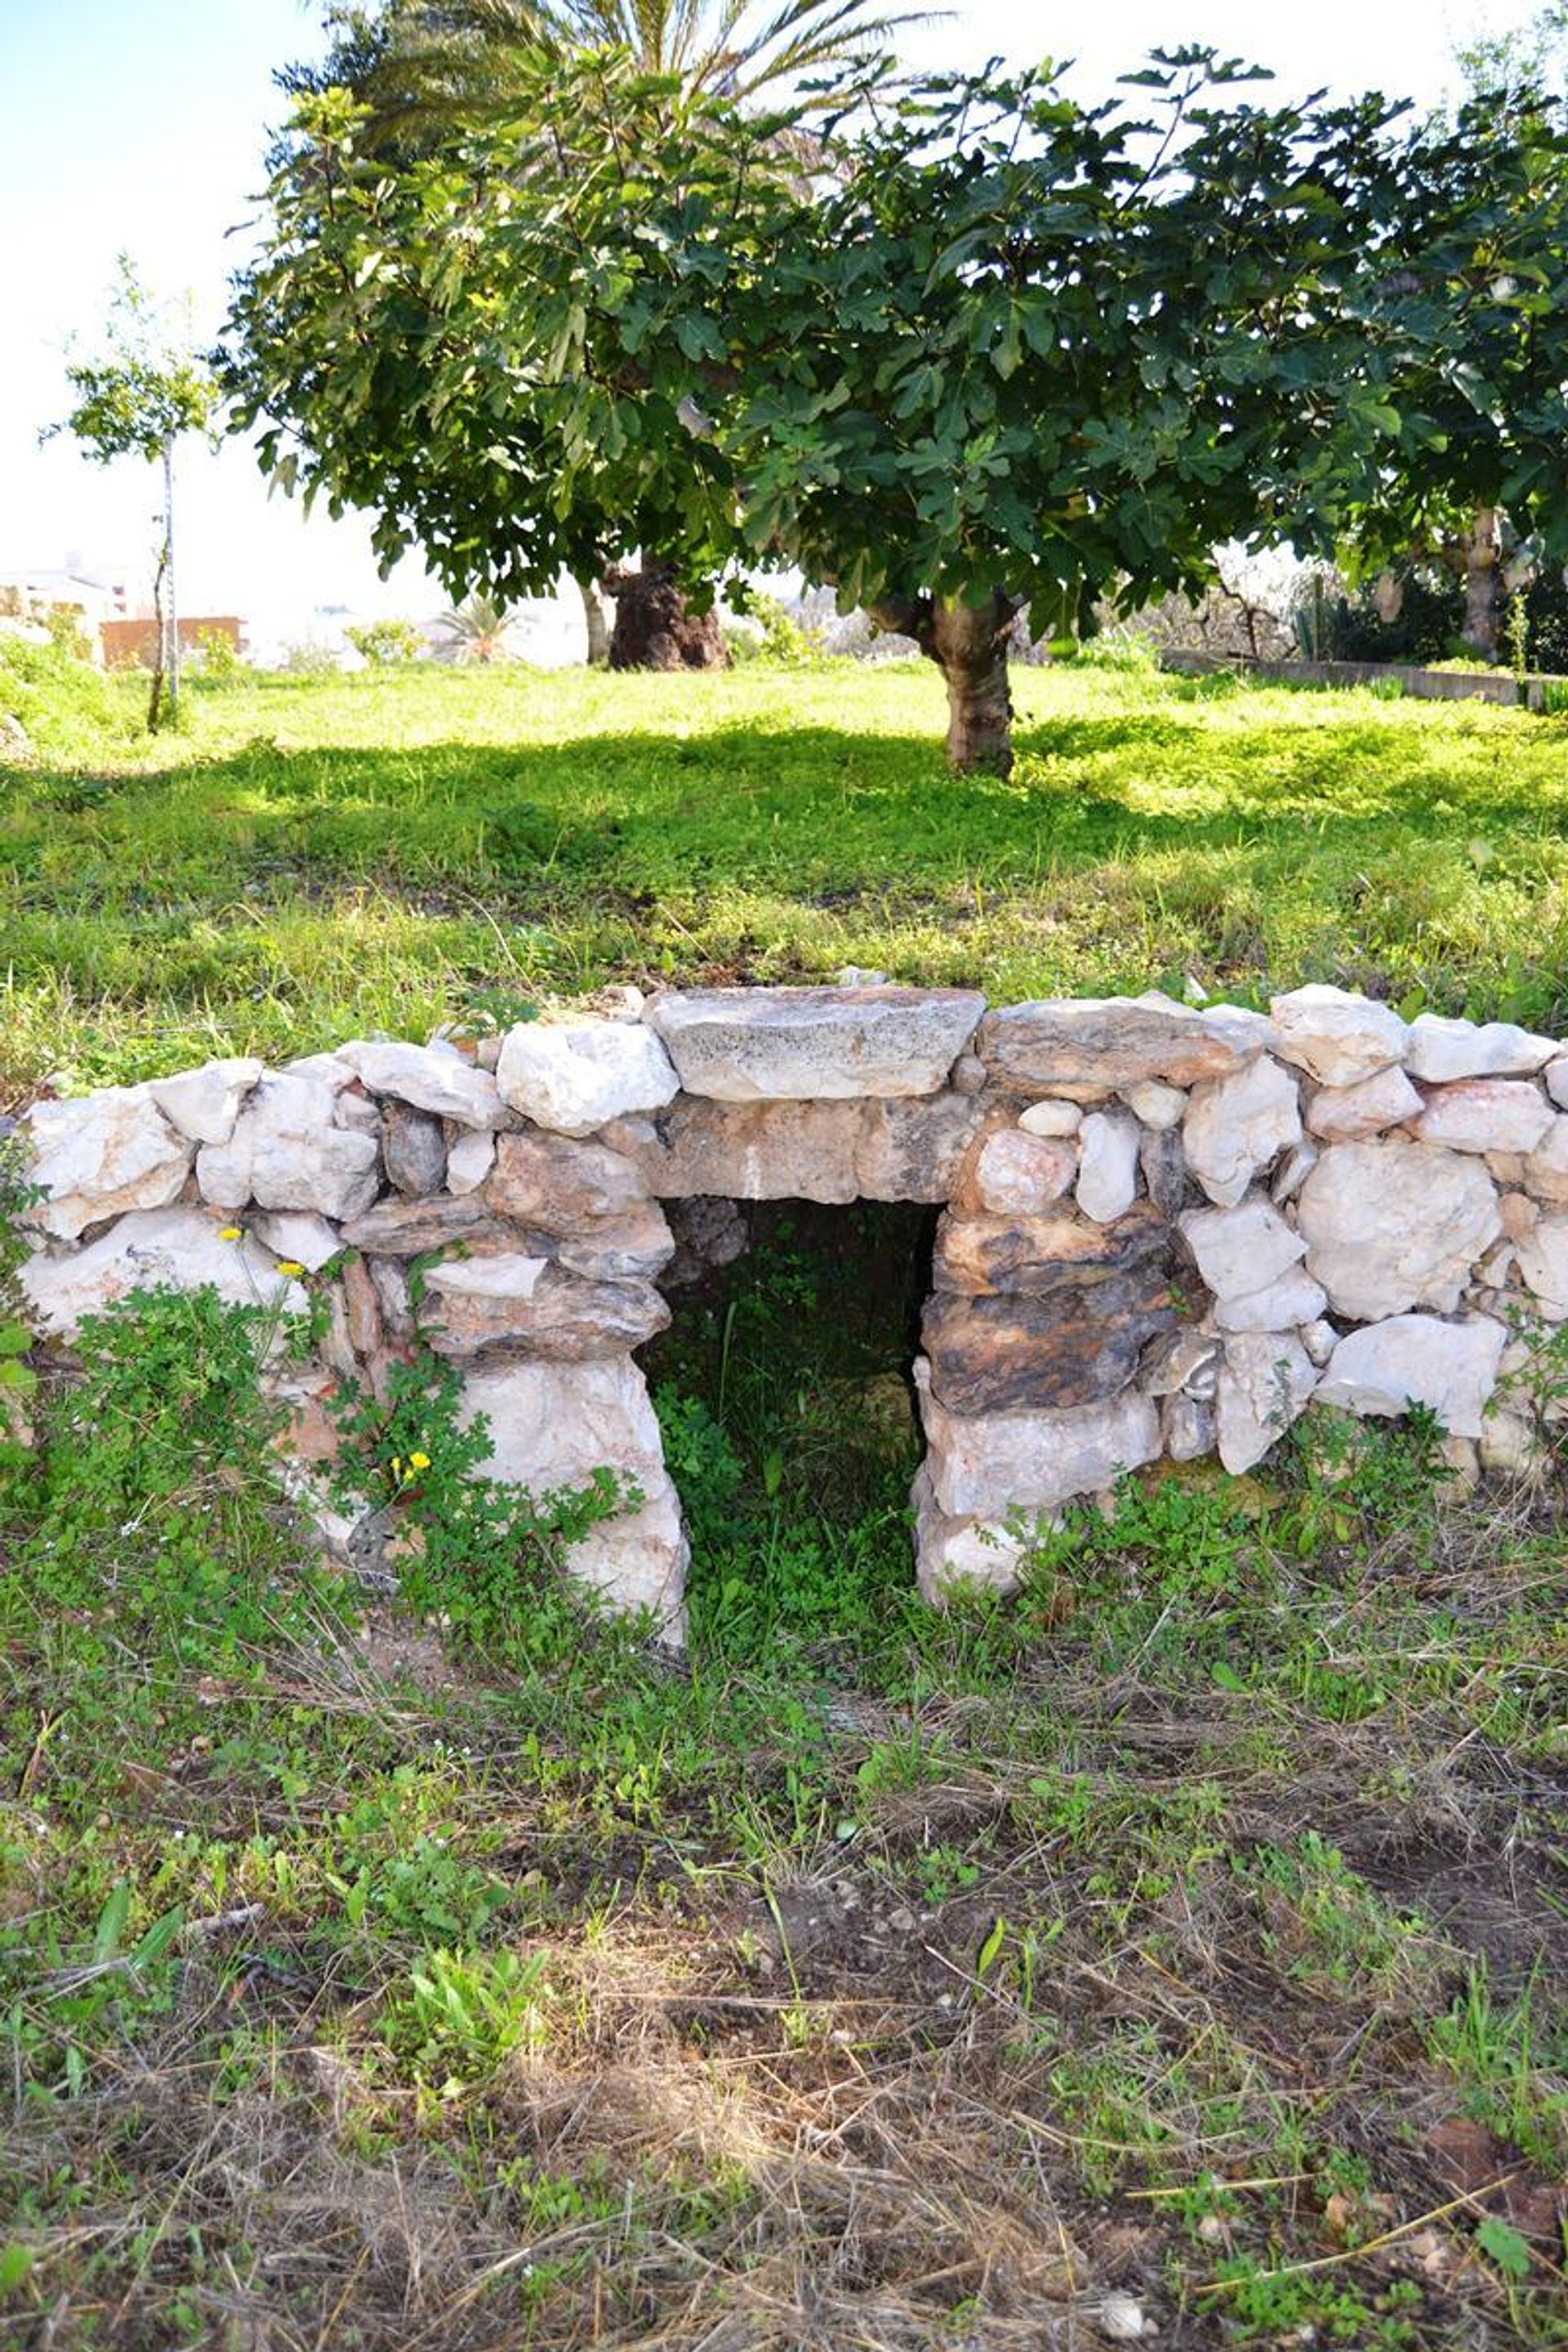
x: 1165, y: 1231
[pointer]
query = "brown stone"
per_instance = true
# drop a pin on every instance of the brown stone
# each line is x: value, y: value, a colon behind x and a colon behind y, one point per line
x: 1013, y: 1173
x: 478, y: 1307
x: 560, y: 1186
x: 1072, y: 1346
x: 874, y: 1150
x: 414, y: 1228
x: 1161, y: 1155
x: 365, y: 1324
x: 413, y: 1149
x: 1033, y: 1255
x: 1089, y: 1048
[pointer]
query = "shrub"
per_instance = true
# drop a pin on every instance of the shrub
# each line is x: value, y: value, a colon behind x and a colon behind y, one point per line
x: 386, y: 644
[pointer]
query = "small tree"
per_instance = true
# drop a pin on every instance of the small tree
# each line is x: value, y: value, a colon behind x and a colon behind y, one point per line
x: 136, y: 401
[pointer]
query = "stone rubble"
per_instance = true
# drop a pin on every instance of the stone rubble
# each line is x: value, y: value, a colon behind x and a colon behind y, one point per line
x: 1165, y: 1231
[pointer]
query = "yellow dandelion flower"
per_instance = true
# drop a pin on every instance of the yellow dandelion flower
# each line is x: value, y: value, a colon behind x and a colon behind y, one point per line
x: 231, y: 1234
x: 397, y: 1465
x: 417, y: 1461
x: 290, y: 1266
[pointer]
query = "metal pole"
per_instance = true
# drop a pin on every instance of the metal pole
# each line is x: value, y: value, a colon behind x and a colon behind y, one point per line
x: 172, y: 623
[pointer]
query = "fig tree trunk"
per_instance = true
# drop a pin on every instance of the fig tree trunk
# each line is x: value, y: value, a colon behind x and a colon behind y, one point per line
x: 656, y: 629
x: 597, y: 627
x: 1483, y: 584
x: 968, y: 644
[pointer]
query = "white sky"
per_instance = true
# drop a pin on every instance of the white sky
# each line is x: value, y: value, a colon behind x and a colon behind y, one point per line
x: 140, y: 125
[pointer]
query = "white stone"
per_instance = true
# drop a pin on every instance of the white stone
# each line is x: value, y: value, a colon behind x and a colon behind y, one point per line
x: 1186, y: 1360
x: 1390, y: 1223
x: 508, y: 1274
x: 295, y: 1234
x: 287, y: 1153
x: 792, y: 1045
x: 1542, y: 1256
x: 1319, y: 1339
x: 99, y: 1155
x: 552, y: 1426
x: 204, y: 1104
x: 1016, y: 1174
x: 1051, y: 1117
x: 1544, y: 1175
x: 1282, y: 1306
x: 1511, y: 1441
x: 1241, y: 1250
x: 976, y: 1555
x: 1292, y: 1173
x: 1238, y: 1125
x: 1337, y: 1037
x: 575, y: 1077
x: 1108, y: 1166
x: 1440, y: 1049
x: 357, y: 1111
x: 1556, y: 1077
x: 1485, y: 1115
x: 987, y: 1466
x: 431, y: 1077
x: 1186, y: 1424
x: 470, y: 1161
x: 1450, y: 1368
x: 1154, y: 1104
x: 1267, y: 1381
x: 152, y: 1249
x: 1342, y: 1114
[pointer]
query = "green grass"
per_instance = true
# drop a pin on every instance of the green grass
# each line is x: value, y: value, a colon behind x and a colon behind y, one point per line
x: 310, y: 858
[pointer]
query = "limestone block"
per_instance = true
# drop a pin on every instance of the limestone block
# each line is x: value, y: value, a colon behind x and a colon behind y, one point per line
x: 1187, y: 1428
x: 287, y: 1153
x: 987, y: 1466
x: 297, y: 1233
x: 1236, y: 1125
x: 470, y: 1156
x: 747, y: 1046
x: 571, y: 1076
x: 1390, y: 1223
x: 635, y: 1247
x: 1155, y: 1105
x: 562, y: 1187
x: 1485, y: 1115
x: 1049, y: 1116
x: 1342, y: 1114
x: 1387, y: 1366
x: 550, y: 1427
x: 1293, y: 1172
x: 975, y: 1555
x: 1163, y: 1161
x: 1511, y: 1443
x: 1108, y: 1166
x: 528, y: 1307
x: 1544, y: 1175
x: 1240, y: 1251
x: 829, y: 1151
x: 1068, y: 1346
x: 1265, y: 1383
x: 1047, y: 1253
x: 413, y: 1149
x: 429, y: 1079
x: 1336, y: 1036
x: 412, y: 1228
x: 1439, y: 1050
x: 1319, y: 1339
x: 1097, y: 1045
x: 1186, y: 1360
x: 1543, y: 1257
x: 1016, y: 1173
x: 366, y: 1322
x: 1283, y: 1305
x: 152, y: 1249
x: 913, y: 1150
x: 204, y: 1104
x: 1556, y: 1077
x: 100, y: 1155
x: 357, y: 1110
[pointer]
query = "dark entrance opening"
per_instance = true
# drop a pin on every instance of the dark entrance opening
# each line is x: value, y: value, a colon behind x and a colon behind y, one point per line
x: 784, y: 1390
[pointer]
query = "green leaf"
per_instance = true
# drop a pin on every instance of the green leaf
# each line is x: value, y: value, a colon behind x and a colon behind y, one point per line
x: 111, y: 1919
x: 1503, y: 2244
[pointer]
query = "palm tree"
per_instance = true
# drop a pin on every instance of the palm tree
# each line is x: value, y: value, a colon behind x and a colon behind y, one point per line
x: 476, y: 630
x: 426, y: 67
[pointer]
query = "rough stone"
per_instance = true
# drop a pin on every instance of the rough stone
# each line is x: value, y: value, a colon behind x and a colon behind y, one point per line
x: 635, y: 1247
x: 393, y: 1296
x: 204, y: 1104
x: 1485, y: 1115
x: 1391, y: 1223
x: 989, y: 1467
x: 1266, y: 1382
x: 366, y: 1323
x: 413, y: 1149
x: 1236, y: 1125
x: 531, y: 1308
x: 1519, y: 1214
x: 1157, y: 1105
x: 968, y: 1554
x: 708, y: 1232
x: 470, y: 1156
x: 297, y: 1234
x: 152, y: 1249
x: 1243, y: 1250
x: 913, y: 1149
x: 101, y: 1156
x: 1050, y: 1117
x: 1097, y: 1045
x: 414, y: 1228
x: 1319, y: 1339
x: 285, y: 1153
x: 357, y: 1110
x: 1542, y: 1256
x: 1450, y: 1368
x: 969, y: 1074
x: 1511, y: 1443
x: 828, y: 1151
x: 1015, y: 1173
x: 1438, y: 1050
x: 746, y: 1045
x: 1026, y: 1352
x: 1344, y: 1114
x: 552, y: 1426
x: 1336, y: 1036
x: 1282, y: 1306
x: 1186, y: 1360
x: 1187, y: 1428
x: 1293, y: 1172
x: 562, y: 1187
x: 1162, y: 1163
x: 1108, y: 1166
x: 429, y: 1078
x: 1544, y: 1175
x: 1033, y: 1255
x: 1556, y: 1077
x: 571, y: 1076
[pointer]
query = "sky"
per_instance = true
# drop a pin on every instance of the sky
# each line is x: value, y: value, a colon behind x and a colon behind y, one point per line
x: 141, y: 126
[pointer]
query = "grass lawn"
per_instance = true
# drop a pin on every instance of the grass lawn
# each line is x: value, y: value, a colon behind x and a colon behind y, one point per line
x: 442, y: 1970
x: 314, y: 858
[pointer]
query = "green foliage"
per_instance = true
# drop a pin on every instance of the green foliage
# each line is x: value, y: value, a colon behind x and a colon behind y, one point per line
x: 387, y: 643
x: 145, y: 391
x: 222, y: 663
x: 69, y: 709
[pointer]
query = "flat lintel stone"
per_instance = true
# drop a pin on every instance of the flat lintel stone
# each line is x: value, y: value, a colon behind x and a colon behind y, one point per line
x: 1099, y: 1044
x: 822, y: 1045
